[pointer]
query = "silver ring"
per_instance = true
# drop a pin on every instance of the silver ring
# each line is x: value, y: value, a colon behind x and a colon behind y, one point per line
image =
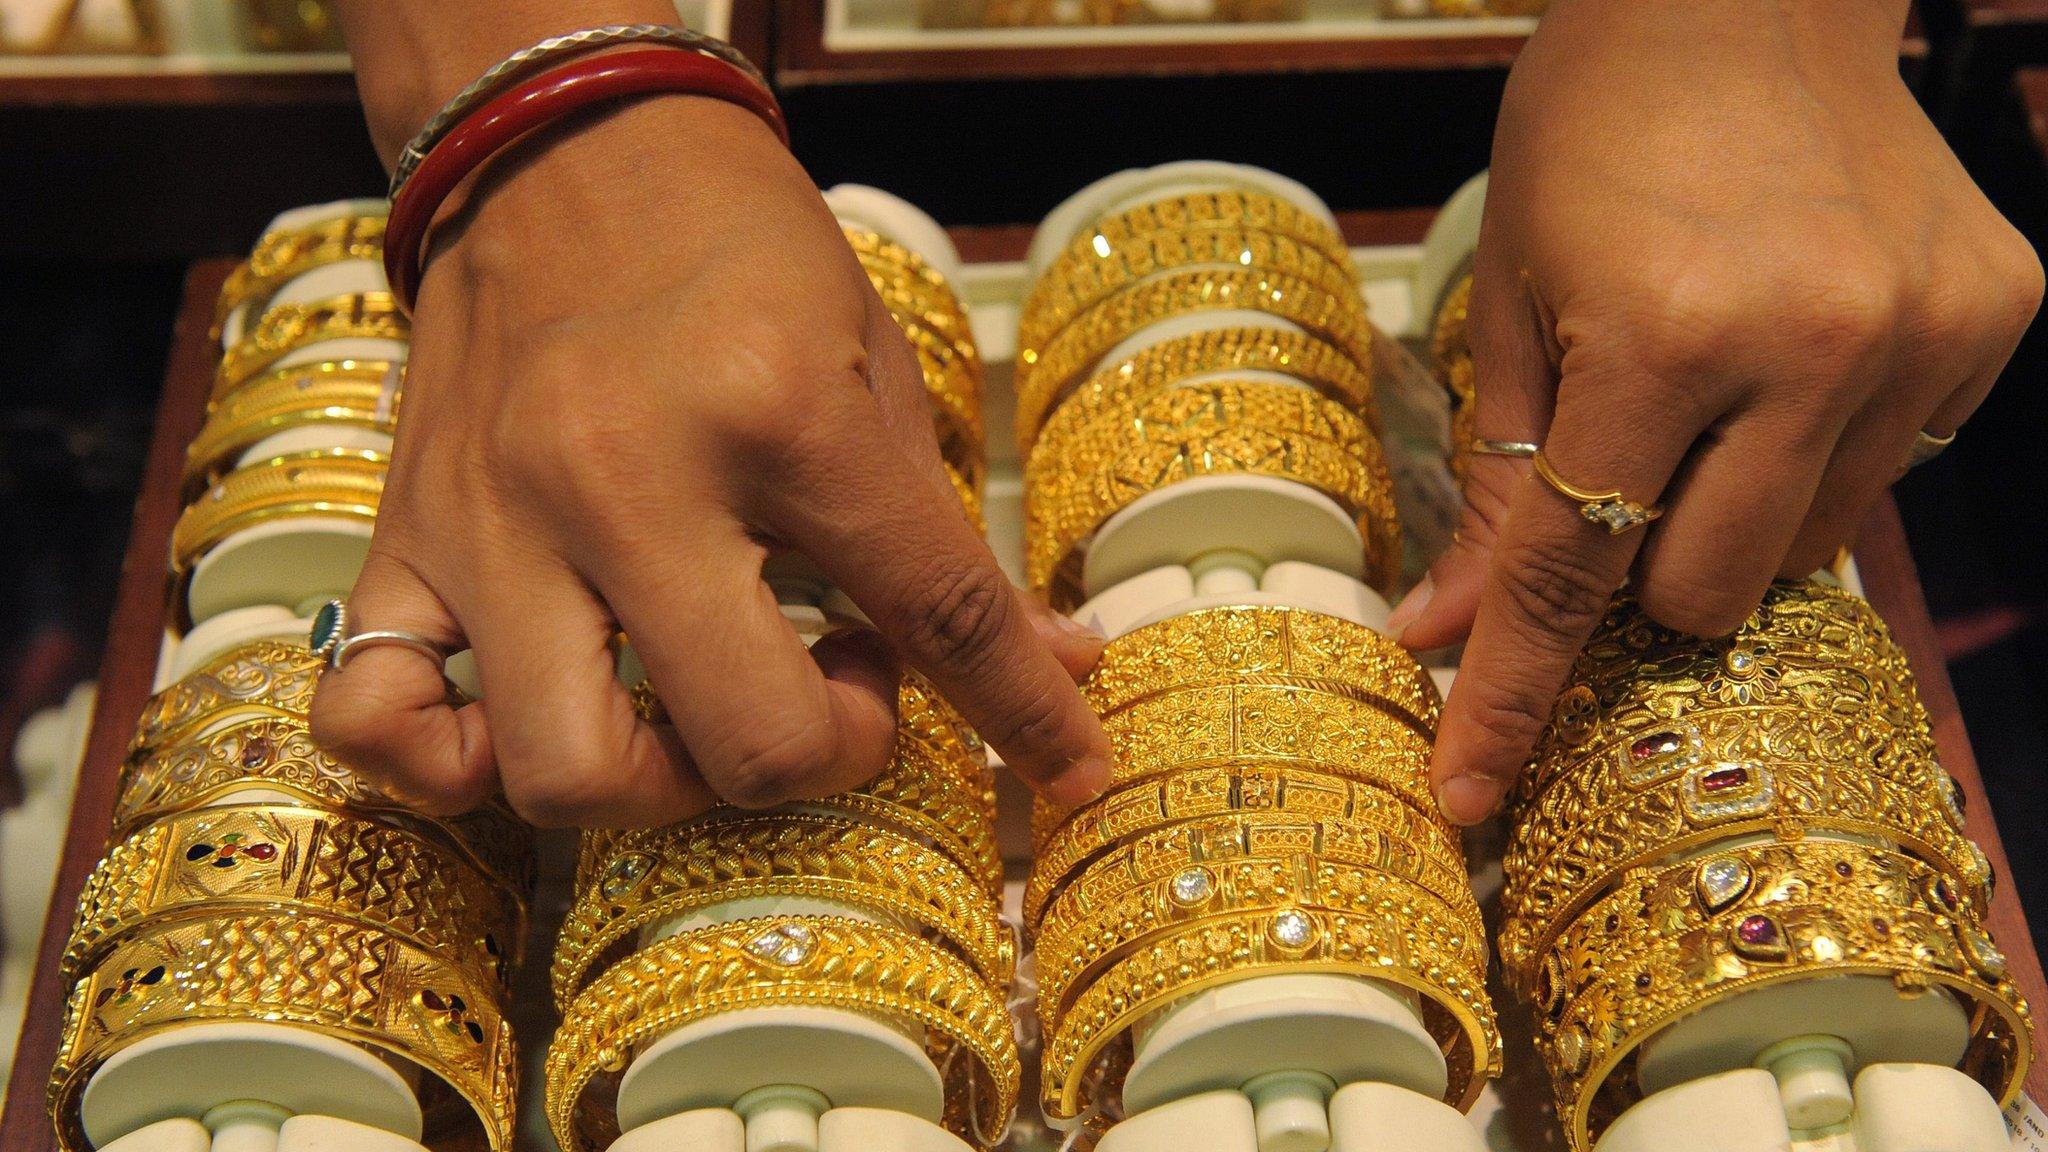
x: 1519, y: 449
x: 330, y: 639
x: 1926, y: 446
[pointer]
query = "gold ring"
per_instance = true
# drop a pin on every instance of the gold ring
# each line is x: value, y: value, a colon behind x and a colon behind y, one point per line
x: 1608, y: 510
x: 1926, y: 446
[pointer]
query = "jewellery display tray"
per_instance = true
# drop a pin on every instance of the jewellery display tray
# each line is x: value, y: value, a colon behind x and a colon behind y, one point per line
x: 1515, y: 1113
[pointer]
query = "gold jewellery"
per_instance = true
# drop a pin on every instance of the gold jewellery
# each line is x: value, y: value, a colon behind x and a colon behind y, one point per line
x: 929, y: 313
x: 1609, y: 510
x: 347, y: 483
x: 362, y: 315
x: 343, y: 393
x: 1451, y: 350
x: 279, y: 256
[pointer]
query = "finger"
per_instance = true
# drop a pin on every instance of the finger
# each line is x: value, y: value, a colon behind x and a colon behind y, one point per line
x: 765, y: 721
x: 386, y: 715
x: 1552, y: 575
x: 1512, y: 397
x: 902, y: 551
x: 570, y: 748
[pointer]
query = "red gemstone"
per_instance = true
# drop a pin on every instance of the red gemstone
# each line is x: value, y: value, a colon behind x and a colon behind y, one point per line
x: 262, y: 852
x: 1761, y: 931
x: 1722, y: 779
x: 256, y: 753
x: 1654, y: 745
x: 227, y: 851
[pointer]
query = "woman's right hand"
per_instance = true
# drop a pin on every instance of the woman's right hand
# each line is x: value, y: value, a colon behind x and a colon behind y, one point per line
x: 643, y: 357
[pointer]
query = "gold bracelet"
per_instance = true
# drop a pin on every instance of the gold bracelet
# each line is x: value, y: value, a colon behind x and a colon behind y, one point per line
x: 1672, y: 941
x: 1084, y: 276
x: 1114, y: 388
x: 277, y: 754
x: 345, y: 393
x: 1207, y: 429
x: 969, y: 492
x: 927, y: 295
x: 1221, y: 209
x: 955, y: 399
x: 1159, y: 806
x: 271, y: 677
x: 664, y: 873
x: 1109, y: 912
x: 1050, y: 371
x: 1451, y: 352
x: 344, y: 980
x: 1397, y: 942
x: 359, y: 316
x: 280, y: 256
x: 332, y: 482
x: 282, y: 860
x: 812, y: 961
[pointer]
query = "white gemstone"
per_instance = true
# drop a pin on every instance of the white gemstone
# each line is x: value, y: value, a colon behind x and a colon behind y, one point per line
x: 1292, y: 929
x: 786, y: 944
x: 1721, y: 881
x: 1192, y: 886
x: 1741, y: 660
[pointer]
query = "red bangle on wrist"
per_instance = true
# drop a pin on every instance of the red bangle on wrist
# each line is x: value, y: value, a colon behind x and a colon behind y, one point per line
x: 535, y: 103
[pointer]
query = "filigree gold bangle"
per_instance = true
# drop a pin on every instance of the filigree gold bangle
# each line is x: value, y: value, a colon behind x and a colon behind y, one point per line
x: 664, y: 873
x: 1115, y: 387
x: 334, y: 482
x: 1452, y: 353
x: 281, y: 860
x: 1084, y: 276
x: 279, y: 256
x: 1397, y: 942
x: 345, y: 393
x: 1218, y: 209
x: 1051, y: 370
x: 340, y: 979
x: 813, y: 961
x: 361, y: 315
x: 269, y: 676
x: 1215, y: 428
x: 955, y: 399
x: 1672, y: 941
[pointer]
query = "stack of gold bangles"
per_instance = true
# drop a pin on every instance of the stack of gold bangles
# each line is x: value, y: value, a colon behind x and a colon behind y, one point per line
x: 911, y: 857
x: 251, y: 877
x: 1097, y: 435
x: 1706, y: 817
x: 1451, y: 353
x: 1268, y: 810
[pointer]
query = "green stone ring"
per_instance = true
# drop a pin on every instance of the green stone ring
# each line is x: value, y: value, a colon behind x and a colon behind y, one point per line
x: 330, y: 639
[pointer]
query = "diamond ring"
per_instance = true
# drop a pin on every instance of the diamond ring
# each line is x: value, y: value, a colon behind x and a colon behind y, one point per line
x: 1609, y: 510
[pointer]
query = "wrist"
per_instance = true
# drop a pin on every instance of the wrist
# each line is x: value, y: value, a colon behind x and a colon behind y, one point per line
x: 1849, y: 39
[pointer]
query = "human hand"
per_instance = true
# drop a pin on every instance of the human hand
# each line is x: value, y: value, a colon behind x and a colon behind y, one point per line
x: 645, y: 357
x: 1727, y: 266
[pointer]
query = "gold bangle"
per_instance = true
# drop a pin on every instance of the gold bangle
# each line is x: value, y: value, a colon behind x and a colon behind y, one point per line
x: 280, y: 256
x: 1451, y: 352
x: 346, y: 393
x: 347, y: 483
x: 282, y: 860
x: 1180, y: 800
x: 1049, y: 371
x: 664, y: 873
x: 969, y: 493
x: 269, y: 677
x: 1213, y: 428
x: 359, y: 316
x: 1672, y: 941
x: 955, y: 399
x: 277, y: 754
x: 1220, y: 209
x: 1397, y: 942
x: 813, y: 961
x: 1115, y: 387
x: 1088, y: 273
x: 1111, y: 910
x: 892, y: 267
x: 329, y: 976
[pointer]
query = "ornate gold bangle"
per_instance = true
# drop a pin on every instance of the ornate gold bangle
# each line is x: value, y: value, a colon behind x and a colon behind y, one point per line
x: 813, y: 961
x: 1397, y: 942
x: 1161, y: 806
x: 1115, y: 387
x: 918, y: 290
x: 1109, y: 912
x: 1215, y: 428
x: 280, y: 256
x: 969, y: 492
x: 269, y: 676
x: 1085, y: 275
x: 330, y: 976
x: 1049, y: 371
x: 337, y: 482
x: 1672, y: 941
x: 348, y: 393
x: 955, y: 399
x: 664, y: 873
x: 281, y: 860
x: 361, y: 315
x: 1225, y: 209
x: 277, y: 754
x: 1452, y: 355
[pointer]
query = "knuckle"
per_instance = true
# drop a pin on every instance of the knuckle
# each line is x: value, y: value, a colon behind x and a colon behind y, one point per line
x: 1554, y: 591
x: 957, y: 615
x: 1036, y: 721
x: 562, y: 795
x: 1844, y: 313
x: 774, y: 767
x: 1697, y: 606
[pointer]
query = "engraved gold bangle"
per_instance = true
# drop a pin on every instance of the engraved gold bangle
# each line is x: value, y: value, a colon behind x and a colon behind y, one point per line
x: 269, y: 676
x: 1153, y: 369
x: 890, y: 264
x: 332, y: 482
x: 361, y: 315
x: 1044, y: 373
x: 282, y: 860
x: 1080, y: 935
x: 345, y: 393
x: 1397, y: 942
x: 279, y: 256
x: 665, y: 873
x: 1673, y: 941
x: 1207, y: 429
x: 278, y: 755
x: 812, y: 961
x: 344, y: 980
x: 1451, y: 352
x: 1218, y: 209
x: 1084, y: 276
x: 956, y: 414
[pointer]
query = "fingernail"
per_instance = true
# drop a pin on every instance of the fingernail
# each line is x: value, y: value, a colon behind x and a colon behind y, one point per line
x: 1078, y: 630
x: 1467, y: 799
x: 1082, y: 782
x: 1410, y: 608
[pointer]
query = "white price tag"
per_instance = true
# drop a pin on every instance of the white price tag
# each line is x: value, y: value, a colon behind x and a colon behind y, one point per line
x: 2027, y: 1123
